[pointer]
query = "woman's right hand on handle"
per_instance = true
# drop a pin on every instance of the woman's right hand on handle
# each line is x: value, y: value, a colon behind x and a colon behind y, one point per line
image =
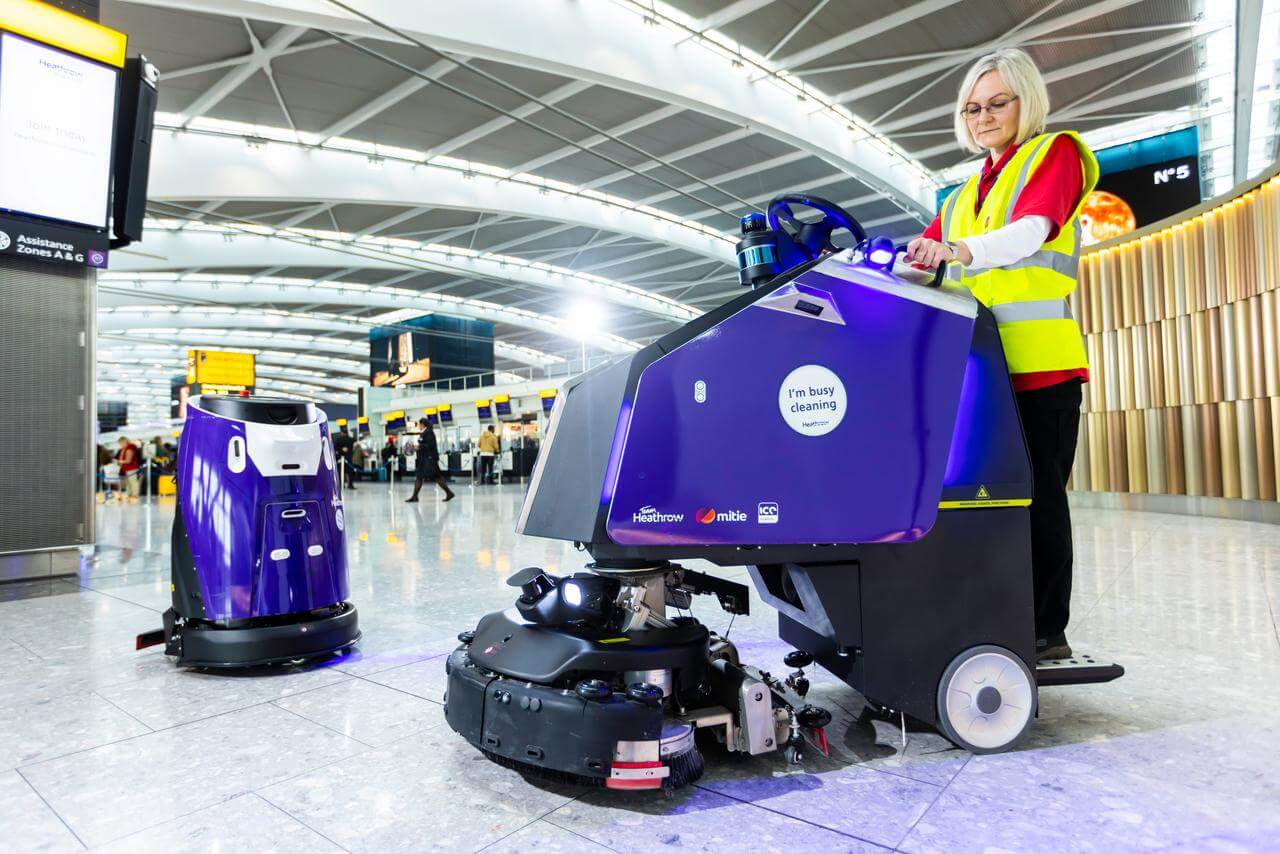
x: 928, y: 252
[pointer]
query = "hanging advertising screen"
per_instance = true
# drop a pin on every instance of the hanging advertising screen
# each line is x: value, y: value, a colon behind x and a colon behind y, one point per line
x: 1128, y: 199
x: 57, y: 120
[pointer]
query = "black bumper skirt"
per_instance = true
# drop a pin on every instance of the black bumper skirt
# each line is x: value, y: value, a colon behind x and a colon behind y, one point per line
x: 544, y: 728
x: 281, y: 640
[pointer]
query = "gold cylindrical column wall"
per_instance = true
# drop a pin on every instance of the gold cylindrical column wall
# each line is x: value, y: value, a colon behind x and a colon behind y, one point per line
x: 1182, y: 331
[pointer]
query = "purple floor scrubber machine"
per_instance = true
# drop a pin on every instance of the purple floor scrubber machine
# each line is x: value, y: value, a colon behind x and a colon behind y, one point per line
x: 847, y: 430
x: 259, y: 565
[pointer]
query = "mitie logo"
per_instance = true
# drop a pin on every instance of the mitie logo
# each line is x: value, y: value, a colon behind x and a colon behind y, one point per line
x: 649, y: 515
x: 707, y: 515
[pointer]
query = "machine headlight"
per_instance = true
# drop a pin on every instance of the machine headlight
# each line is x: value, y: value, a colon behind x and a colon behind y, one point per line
x: 572, y: 593
x: 880, y: 253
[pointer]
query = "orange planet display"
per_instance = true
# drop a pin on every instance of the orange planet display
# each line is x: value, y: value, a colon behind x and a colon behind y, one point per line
x: 1104, y: 216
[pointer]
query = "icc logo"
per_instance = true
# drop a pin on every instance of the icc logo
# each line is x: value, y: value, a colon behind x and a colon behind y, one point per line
x: 4, y: 241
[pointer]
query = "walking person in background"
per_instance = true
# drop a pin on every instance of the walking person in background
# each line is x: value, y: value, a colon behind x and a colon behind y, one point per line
x: 489, y: 447
x: 427, y: 466
x: 130, y: 462
x: 342, y: 443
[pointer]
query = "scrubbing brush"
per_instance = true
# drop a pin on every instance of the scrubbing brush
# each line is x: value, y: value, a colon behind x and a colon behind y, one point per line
x: 686, y: 767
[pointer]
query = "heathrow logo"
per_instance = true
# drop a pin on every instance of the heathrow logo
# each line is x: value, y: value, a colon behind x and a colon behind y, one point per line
x: 4, y: 241
x: 649, y: 515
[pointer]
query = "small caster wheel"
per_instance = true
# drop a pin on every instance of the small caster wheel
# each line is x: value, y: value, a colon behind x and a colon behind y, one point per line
x: 594, y: 689
x: 797, y: 658
x: 813, y: 717
x: 794, y: 755
x: 986, y: 699
x: 645, y: 693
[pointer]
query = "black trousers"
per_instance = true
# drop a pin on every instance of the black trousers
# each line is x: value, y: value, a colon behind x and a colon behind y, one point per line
x: 486, y: 468
x: 1051, y: 421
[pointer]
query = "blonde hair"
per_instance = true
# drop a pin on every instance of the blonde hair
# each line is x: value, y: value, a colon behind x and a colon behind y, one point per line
x: 1023, y: 77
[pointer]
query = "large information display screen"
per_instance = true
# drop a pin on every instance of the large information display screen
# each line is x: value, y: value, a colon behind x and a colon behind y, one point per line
x: 57, y: 119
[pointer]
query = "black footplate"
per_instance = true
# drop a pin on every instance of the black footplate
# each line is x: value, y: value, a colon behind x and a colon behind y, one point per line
x: 1080, y: 669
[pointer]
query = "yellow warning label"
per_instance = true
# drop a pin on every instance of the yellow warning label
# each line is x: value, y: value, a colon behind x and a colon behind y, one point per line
x: 987, y: 503
x: 614, y: 640
x: 982, y: 493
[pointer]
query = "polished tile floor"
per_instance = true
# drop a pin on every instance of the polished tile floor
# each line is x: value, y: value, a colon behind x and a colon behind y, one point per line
x: 104, y: 747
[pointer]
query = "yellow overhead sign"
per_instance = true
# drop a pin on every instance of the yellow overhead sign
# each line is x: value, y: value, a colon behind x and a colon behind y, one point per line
x: 392, y: 416
x: 501, y: 398
x: 220, y: 368
x: 53, y: 26
x: 362, y: 420
x: 481, y: 403
x: 547, y: 392
x: 430, y: 410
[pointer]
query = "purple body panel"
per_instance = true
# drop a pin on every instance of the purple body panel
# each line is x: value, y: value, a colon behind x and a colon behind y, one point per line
x: 730, y: 470
x: 235, y: 520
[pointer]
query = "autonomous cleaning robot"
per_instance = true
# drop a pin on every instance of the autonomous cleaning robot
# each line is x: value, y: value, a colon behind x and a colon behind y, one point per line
x: 259, y: 565
x: 847, y: 430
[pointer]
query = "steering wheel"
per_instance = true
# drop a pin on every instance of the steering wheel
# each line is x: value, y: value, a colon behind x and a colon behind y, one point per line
x: 815, y: 237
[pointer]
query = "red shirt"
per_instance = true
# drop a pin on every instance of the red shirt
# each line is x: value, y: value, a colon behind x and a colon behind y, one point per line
x: 1052, y: 191
x: 128, y: 459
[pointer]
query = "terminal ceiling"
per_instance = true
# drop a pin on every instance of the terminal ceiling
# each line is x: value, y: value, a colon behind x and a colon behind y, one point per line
x: 564, y: 151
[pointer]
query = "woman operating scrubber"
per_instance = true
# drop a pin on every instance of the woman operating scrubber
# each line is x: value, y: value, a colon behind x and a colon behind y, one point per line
x: 1011, y: 235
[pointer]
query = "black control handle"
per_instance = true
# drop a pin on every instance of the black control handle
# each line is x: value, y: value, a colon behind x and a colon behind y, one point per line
x: 939, y: 274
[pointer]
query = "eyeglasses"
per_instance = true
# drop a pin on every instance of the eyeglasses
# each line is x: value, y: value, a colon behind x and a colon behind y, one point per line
x: 995, y: 108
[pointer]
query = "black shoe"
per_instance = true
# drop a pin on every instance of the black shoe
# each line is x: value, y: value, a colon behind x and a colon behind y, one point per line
x: 1053, y: 648
x: 413, y: 500
x: 448, y: 498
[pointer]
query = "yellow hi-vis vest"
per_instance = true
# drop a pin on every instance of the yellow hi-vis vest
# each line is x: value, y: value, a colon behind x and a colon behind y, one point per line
x: 1028, y: 298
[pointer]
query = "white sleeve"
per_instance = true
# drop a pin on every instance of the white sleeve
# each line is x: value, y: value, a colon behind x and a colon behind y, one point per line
x: 1009, y: 244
